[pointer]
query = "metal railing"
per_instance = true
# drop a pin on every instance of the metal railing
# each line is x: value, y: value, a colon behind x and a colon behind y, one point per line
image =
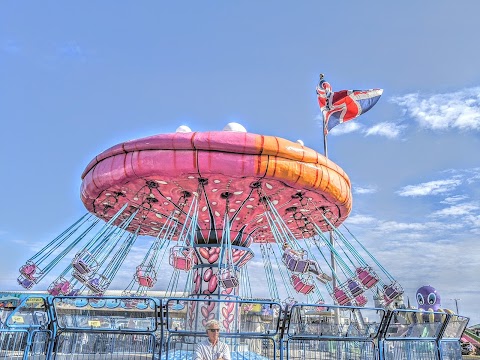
x: 147, y: 328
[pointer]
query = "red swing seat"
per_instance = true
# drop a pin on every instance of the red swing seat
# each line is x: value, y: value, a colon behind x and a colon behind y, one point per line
x: 182, y: 258
x: 302, y: 286
x: 367, y: 276
x: 145, y: 277
x: 60, y: 287
x: 340, y: 296
x: 321, y: 308
x: 28, y: 270
x: 361, y: 300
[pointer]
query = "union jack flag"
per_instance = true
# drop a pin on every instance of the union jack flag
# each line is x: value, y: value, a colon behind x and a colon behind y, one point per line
x: 344, y: 105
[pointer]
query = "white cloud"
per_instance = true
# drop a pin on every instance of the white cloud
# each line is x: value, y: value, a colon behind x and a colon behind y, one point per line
x: 456, y: 210
x: 454, y: 199
x: 387, y: 129
x: 430, y: 188
x: 361, y: 220
x: 346, y: 128
x: 458, y: 110
x: 364, y: 190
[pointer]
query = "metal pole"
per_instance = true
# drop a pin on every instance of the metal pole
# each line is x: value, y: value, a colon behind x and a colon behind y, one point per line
x: 332, y: 255
x: 456, y: 304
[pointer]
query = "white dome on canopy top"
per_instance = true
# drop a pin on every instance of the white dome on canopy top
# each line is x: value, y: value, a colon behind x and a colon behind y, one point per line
x: 233, y: 126
x: 183, y: 129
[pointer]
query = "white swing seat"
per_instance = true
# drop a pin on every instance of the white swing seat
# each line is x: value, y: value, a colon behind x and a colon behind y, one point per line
x: 84, y: 263
x: 228, y: 278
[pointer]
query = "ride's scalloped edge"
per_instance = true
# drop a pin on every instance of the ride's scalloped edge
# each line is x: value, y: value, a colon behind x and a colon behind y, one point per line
x: 222, y: 141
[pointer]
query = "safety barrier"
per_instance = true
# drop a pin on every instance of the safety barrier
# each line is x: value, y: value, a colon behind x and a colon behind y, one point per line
x: 147, y: 328
x: 331, y: 332
x: 412, y: 334
x: 107, y: 328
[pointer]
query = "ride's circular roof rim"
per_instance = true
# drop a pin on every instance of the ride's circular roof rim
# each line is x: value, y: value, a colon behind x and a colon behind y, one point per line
x: 244, y: 156
x: 222, y: 141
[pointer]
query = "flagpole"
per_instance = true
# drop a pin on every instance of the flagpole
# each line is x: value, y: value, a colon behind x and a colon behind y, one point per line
x: 333, y: 264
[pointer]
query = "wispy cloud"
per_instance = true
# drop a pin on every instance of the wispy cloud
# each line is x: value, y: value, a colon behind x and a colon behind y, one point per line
x: 457, y: 110
x: 457, y: 210
x: 346, y: 128
x: 455, y: 179
x: 386, y: 129
x: 454, y: 199
x: 430, y: 188
x: 364, y: 190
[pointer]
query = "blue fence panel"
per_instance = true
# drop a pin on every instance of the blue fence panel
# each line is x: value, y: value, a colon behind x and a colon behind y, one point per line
x: 105, y: 345
x: 182, y: 347
x: 450, y: 350
x: 13, y: 343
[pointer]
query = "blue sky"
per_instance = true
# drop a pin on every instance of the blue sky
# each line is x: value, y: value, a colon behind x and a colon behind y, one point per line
x: 79, y: 77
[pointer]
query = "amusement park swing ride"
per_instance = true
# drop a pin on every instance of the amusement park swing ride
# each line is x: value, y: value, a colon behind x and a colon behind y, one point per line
x: 202, y: 199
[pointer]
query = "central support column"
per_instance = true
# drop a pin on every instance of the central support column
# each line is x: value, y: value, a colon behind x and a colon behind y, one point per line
x: 207, y: 285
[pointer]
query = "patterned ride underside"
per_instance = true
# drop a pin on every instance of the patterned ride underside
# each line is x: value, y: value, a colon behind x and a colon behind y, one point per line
x: 238, y: 174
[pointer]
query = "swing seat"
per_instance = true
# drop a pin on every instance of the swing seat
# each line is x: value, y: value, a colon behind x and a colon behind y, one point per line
x: 95, y: 286
x: 83, y: 278
x: 324, y: 278
x: 24, y: 282
x: 228, y: 279
x: 81, y: 266
x: 74, y: 292
x: 321, y: 308
x: 54, y: 291
x: 294, y: 262
x: 340, y: 296
x: 181, y: 258
x: 390, y: 292
x: 146, y: 278
x: 302, y: 285
x: 367, y: 276
x: 361, y: 300
x: 28, y: 270
x: 85, y: 263
x: 65, y: 287
x: 146, y: 281
x: 354, y: 287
